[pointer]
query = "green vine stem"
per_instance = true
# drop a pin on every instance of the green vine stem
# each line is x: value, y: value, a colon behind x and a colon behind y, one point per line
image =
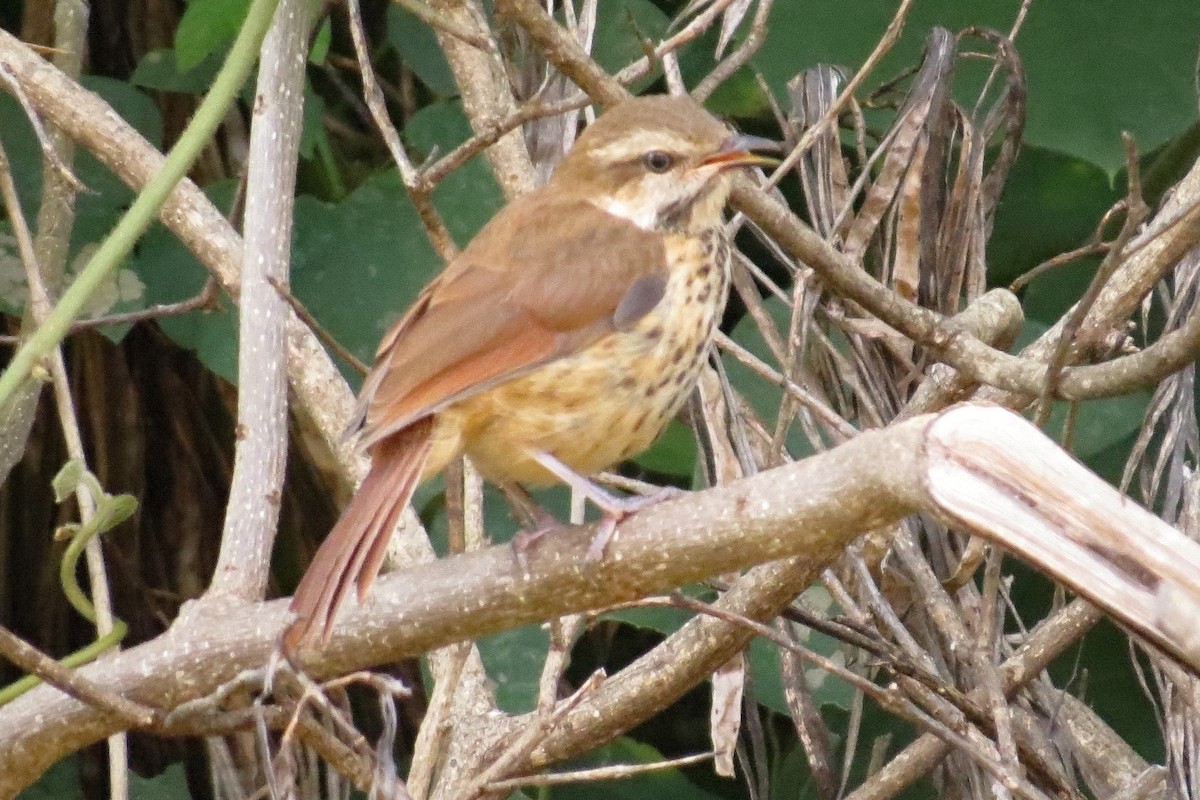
x: 111, y: 510
x: 121, y: 240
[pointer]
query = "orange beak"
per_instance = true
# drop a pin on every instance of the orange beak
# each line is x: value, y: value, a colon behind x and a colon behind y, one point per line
x: 737, y: 151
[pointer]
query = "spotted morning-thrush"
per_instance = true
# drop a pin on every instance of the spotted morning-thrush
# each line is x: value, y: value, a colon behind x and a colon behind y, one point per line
x: 558, y: 343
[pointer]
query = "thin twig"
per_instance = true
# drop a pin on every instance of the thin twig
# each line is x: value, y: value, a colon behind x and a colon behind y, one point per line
x: 1090, y: 249
x: 609, y: 773
x: 328, y: 339
x: 831, y: 418
x: 528, y: 111
x: 204, y: 301
x: 48, y: 150
x: 29, y: 659
x: 890, y: 36
x: 419, y: 191
x: 1135, y: 214
x: 753, y: 42
x: 527, y: 740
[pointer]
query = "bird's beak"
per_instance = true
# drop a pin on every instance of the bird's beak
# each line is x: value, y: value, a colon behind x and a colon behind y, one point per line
x: 737, y: 151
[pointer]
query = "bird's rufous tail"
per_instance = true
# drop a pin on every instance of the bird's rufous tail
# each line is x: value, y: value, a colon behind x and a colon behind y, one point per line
x: 352, y: 553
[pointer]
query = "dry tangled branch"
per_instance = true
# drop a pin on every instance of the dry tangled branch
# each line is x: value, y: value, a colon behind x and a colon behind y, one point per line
x: 874, y: 317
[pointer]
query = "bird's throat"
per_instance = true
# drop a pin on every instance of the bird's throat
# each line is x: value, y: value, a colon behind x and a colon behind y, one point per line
x: 687, y: 214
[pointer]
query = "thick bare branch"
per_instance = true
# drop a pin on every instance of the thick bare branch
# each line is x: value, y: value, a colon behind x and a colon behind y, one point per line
x: 414, y: 610
x: 1135, y: 565
x: 252, y: 513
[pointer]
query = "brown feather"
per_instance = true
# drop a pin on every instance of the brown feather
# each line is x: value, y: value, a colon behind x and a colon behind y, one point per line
x: 512, y: 301
x: 496, y: 355
x: 353, y: 551
x: 524, y: 349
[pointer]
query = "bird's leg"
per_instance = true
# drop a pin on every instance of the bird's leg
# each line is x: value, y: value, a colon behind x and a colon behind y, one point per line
x: 536, y: 521
x: 614, y: 509
x: 532, y: 515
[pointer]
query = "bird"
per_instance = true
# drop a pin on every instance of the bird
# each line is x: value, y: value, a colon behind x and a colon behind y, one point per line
x: 557, y: 344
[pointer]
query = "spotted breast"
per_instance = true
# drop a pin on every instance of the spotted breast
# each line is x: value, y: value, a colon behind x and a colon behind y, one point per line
x: 611, y: 400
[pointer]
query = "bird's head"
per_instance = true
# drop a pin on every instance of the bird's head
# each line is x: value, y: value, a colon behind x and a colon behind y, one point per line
x: 661, y: 162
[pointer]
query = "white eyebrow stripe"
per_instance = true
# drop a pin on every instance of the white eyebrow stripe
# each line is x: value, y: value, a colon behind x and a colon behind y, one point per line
x: 633, y: 146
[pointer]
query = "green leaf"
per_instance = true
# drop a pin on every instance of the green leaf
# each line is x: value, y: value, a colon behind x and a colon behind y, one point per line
x: 791, y: 777
x: 358, y: 264
x: 514, y: 660
x: 67, y: 479
x: 320, y: 46
x: 170, y: 783
x: 1051, y: 204
x: 25, y: 161
x: 111, y: 510
x: 1103, y: 432
x: 59, y: 782
x: 206, y: 25
x: 673, y: 453
x: 97, y: 211
x: 827, y: 689
x: 312, y: 133
x: 160, y: 70
x: 469, y: 196
x: 171, y: 273
x: 419, y: 50
x: 664, y: 619
x: 1094, y: 67
x: 739, y: 96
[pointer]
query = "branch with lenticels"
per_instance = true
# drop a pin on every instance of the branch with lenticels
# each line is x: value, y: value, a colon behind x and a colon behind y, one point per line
x: 798, y: 517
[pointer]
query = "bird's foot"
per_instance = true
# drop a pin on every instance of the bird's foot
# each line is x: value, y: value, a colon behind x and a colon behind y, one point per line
x: 616, y: 510
x: 525, y: 540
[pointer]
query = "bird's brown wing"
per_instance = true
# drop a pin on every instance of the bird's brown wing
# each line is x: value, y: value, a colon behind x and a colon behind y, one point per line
x: 542, y: 280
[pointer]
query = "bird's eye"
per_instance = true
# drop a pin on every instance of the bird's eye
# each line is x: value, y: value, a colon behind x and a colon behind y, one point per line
x: 658, y: 161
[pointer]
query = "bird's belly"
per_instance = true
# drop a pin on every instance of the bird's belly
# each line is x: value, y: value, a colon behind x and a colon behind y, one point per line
x: 609, y: 401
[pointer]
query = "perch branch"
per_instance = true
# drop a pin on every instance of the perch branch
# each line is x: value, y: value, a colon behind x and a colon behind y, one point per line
x: 1140, y: 570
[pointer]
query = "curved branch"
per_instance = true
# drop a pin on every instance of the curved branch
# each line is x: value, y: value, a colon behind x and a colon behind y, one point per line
x: 984, y: 467
x: 323, y: 397
x: 829, y: 499
x: 960, y: 350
